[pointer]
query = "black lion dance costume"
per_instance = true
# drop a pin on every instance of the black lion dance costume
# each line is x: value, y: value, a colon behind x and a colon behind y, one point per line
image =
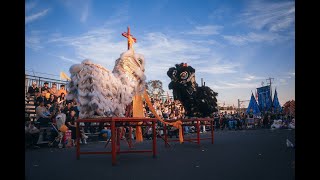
x: 197, y: 101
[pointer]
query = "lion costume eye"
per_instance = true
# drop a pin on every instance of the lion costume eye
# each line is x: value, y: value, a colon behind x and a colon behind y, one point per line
x: 184, y: 75
x: 174, y: 73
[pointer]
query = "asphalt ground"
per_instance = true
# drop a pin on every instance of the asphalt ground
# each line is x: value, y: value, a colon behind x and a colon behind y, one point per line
x: 246, y: 154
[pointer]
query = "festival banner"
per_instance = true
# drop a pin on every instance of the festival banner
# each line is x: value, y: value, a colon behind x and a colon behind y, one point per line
x: 253, y: 106
x: 264, y: 98
x: 276, y: 104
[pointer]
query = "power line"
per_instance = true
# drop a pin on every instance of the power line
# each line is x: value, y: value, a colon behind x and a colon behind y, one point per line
x: 42, y: 73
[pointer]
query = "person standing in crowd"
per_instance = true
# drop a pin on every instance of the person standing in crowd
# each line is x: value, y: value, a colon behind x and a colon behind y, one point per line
x: 71, y: 124
x: 36, y: 98
x: 53, y: 90
x: 61, y: 90
x: 47, y: 97
x: 105, y: 133
x: 45, y: 87
x: 62, y: 100
x: 242, y: 119
x: 43, y: 115
x: 67, y: 110
x: 31, y: 134
x: 75, y: 107
x: 42, y: 98
x: 216, y: 120
x: 51, y: 100
x: 222, y: 121
x: 32, y: 89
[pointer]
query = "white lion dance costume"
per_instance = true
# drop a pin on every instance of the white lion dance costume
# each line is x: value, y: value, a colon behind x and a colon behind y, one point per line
x: 101, y: 93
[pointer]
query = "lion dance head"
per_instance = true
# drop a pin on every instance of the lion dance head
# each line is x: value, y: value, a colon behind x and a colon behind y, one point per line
x: 197, y: 101
x: 101, y: 92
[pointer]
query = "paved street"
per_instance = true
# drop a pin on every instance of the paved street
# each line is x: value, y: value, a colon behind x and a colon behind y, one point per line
x: 248, y: 154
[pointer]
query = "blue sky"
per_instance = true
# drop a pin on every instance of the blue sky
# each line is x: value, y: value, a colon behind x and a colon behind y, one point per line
x: 233, y: 45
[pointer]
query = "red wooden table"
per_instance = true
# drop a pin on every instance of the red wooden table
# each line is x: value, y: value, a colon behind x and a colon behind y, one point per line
x: 115, y: 141
x: 204, y: 121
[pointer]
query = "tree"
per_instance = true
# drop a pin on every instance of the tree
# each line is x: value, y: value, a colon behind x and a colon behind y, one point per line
x: 289, y: 108
x: 154, y: 88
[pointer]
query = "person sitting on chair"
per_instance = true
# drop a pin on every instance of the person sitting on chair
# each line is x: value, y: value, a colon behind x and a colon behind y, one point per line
x: 43, y: 116
x: 32, y: 89
x: 71, y: 124
x: 105, y: 133
x: 31, y: 135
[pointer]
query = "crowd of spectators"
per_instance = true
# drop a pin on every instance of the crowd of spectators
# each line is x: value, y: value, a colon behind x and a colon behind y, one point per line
x: 51, y: 101
x: 239, y: 121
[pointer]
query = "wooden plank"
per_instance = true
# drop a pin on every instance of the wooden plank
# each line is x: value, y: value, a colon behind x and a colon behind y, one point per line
x: 30, y: 110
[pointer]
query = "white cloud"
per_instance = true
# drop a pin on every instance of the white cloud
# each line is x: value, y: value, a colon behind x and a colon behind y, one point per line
x: 292, y: 74
x: 69, y: 60
x: 85, y: 13
x: 30, y: 5
x: 205, y: 30
x: 208, y: 42
x: 274, y: 16
x: 234, y: 85
x: 97, y: 45
x: 78, y: 8
x: 249, y: 77
x: 33, y: 40
x: 219, y: 68
x: 220, y: 13
x: 33, y: 43
x: 120, y: 15
x: 252, y: 38
x: 36, y: 16
x: 282, y: 82
x: 161, y: 52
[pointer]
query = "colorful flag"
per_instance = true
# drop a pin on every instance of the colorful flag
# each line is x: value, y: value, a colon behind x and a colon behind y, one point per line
x: 64, y: 76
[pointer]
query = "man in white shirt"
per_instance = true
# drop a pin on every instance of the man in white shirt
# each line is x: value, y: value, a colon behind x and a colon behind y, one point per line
x: 31, y: 135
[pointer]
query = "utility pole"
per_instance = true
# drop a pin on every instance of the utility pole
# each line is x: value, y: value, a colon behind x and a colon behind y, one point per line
x: 269, y: 83
x: 239, y: 103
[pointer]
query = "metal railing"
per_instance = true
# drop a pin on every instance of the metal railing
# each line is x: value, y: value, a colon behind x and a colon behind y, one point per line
x: 41, y: 80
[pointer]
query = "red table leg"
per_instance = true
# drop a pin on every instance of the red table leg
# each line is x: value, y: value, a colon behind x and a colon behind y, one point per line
x: 212, y: 132
x: 113, y: 142
x: 78, y: 140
